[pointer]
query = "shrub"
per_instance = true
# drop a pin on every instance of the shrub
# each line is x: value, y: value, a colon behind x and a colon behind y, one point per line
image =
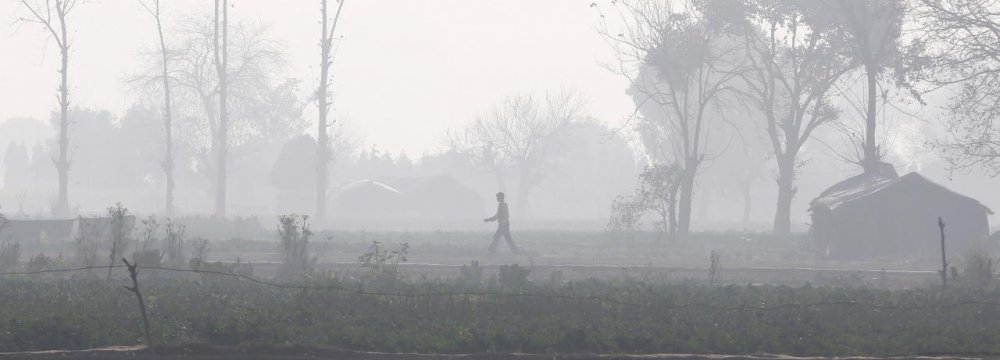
x: 471, y: 274
x: 714, y: 267
x: 173, y: 244
x: 383, y: 264
x: 978, y: 269
x: 514, y: 276
x: 3, y: 221
x: 10, y: 255
x: 294, y: 233
x: 657, y: 193
x: 147, y: 232
x: 150, y: 257
x: 38, y: 263
x: 200, y: 249
x: 87, y: 243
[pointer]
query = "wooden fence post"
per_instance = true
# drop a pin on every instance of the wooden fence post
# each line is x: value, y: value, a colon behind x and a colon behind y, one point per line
x: 944, y: 259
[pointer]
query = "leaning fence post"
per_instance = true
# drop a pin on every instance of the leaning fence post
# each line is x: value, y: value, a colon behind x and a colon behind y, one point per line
x: 134, y: 274
x: 944, y: 259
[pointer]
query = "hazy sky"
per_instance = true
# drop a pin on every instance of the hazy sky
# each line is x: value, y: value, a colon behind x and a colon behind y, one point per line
x: 405, y: 71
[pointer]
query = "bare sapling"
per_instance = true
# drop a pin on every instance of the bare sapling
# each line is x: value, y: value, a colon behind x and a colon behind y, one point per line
x: 173, y: 244
x: 86, y: 244
x: 119, y: 233
x: 714, y: 268
x: 133, y: 273
x: 148, y: 254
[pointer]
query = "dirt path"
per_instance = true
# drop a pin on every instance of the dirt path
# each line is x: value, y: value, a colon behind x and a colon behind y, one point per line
x: 743, y: 275
x: 294, y: 352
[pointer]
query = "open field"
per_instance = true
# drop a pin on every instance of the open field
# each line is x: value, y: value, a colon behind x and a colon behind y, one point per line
x: 571, y: 293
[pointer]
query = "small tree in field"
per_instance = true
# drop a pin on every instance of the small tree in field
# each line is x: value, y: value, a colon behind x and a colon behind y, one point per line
x: 657, y: 192
x: 173, y: 244
x: 118, y: 215
x: 86, y: 244
x: 10, y: 253
x: 52, y: 16
x: 294, y: 232
x: 383, y: 264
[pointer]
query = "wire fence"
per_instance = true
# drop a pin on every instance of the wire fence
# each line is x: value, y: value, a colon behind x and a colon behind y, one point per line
x: 333, y: 301
x: 514, y: 294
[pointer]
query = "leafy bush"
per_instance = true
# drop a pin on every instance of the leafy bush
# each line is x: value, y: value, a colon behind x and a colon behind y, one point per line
x: 382, y: 264
x: 38, y: 263
x: 978, y: 269
x: 657, y: 193
x: 514, y: 276
x: 471, y: 274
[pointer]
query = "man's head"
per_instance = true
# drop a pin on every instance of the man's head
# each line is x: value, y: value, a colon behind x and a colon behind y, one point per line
x: 500, y: 196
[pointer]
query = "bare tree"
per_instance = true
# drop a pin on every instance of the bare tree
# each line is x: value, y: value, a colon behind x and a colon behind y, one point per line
x: 258, y: 109
x: 52, y: 15
x: 153, y: 8
x: 794, y: 63
x: 872, y: 30
x: 962, y: 44
x: 523, y: 133
x: 221, y: 55
x: 679, y: 61
x: 323, y: 102
x: 657, y: 192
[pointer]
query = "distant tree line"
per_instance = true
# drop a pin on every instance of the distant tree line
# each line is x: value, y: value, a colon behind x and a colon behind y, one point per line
x: 700, y: 70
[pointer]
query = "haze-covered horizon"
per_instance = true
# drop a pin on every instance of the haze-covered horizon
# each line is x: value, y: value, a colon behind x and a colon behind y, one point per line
x: 404, y: 72
x: 406, y: 78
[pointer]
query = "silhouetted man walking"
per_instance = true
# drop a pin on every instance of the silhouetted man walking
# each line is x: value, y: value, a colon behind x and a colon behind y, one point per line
x: 502, y: 218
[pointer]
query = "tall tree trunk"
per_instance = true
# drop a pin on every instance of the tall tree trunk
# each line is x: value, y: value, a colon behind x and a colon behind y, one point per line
x: 745, y: 189
x: 870, y: 163
x: 672, y: 210
x: 786, y: 192
x: 168, y: 161
x: 323, y: 139
x: 221, y: 55
x: 521, y: 203
x: 323, y: 151
x: 62, y: 165
x: 684, y: 201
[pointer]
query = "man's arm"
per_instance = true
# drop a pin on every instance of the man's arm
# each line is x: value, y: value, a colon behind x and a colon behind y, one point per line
x: 495, y: 216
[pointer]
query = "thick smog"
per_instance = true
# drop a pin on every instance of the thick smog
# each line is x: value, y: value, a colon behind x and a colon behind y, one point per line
x: 521, y: 179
